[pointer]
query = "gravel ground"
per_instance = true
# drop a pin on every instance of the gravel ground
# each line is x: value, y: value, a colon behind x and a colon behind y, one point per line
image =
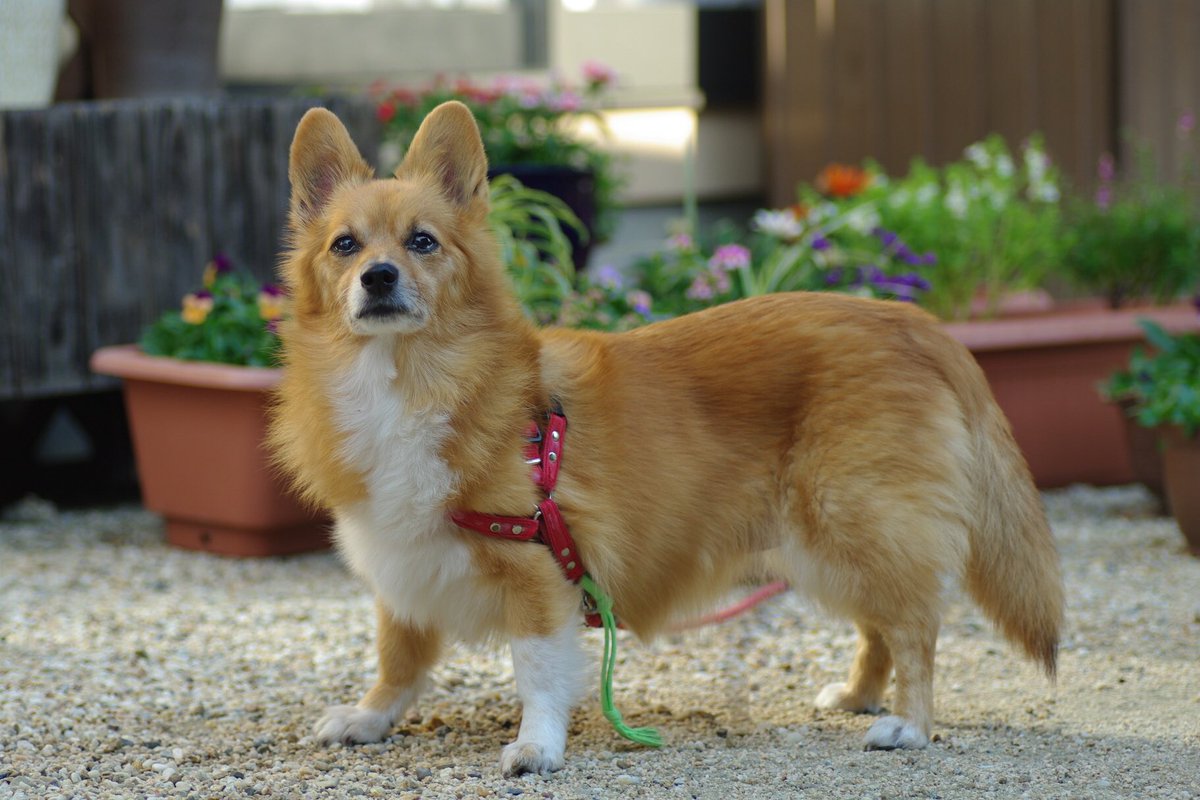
x: 128, y: 669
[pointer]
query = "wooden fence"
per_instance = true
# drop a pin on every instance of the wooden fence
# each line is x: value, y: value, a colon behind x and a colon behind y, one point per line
x: 109, y: 211
x: 894, y: 79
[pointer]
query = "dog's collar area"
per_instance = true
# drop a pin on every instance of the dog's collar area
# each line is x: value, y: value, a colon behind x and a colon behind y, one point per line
x: 543, y: 452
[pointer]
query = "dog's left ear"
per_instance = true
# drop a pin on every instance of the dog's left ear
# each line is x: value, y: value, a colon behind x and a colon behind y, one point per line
x: 448, y: 148
x: 323, y: 157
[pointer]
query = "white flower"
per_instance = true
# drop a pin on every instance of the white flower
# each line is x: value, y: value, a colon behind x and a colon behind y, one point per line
x: 1044, y: 192
x: 863, y: 219
x: 956, y: 202
x: 1004, y: 165
x: 927, y: 194
x: 1036, y: 164
x: 977, y: 154
x: 781, y: 223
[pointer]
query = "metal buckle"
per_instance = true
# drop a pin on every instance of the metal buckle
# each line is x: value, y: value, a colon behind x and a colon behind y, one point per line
x: 588, y: 604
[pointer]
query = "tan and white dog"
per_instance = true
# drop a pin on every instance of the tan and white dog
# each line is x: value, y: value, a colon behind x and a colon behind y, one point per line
x: 847, y: 445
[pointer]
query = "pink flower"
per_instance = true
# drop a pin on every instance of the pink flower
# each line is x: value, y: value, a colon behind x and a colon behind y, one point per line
x: 700, y: 289
x: 1187, y: 123
x: 598, y: 75
x: 729, y: 256
x: 1106, y: 168
x: 680, y: 241
x: 564, y: 101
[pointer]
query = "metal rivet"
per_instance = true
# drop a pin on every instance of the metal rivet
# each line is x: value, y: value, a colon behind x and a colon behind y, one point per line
x: 495, y: 527
x: 553, y: 456
x: 566, y: 551
x: 553, y: 434
x: 517, y: 529
x: 570, y: 565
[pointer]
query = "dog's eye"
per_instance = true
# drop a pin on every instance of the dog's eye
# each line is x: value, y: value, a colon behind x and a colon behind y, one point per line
x: 421, y: 242
x: 344, y: 245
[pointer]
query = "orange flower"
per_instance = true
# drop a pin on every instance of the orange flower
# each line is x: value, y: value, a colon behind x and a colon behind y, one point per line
x: 841, y: 180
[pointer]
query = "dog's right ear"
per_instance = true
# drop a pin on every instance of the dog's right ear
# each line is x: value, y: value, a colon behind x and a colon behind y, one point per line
x: 323, y: 157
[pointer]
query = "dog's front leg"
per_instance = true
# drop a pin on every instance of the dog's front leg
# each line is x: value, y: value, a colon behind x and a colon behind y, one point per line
x: 550, y: 673
x: 405, y: 655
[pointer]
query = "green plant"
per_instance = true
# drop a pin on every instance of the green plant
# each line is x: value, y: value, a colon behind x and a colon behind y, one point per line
x: 1138, y: 238
x: 530, y: 227
x: 1163, y: 387
x: 521, y: 121
x: 230, y: 321
x: 994, y: 222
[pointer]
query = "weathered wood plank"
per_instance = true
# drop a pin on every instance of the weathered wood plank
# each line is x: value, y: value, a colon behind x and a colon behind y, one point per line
x: 109, y: 211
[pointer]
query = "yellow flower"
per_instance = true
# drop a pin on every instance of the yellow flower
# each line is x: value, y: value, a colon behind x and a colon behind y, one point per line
x: 196, y: 307
x: 272, y: 302
x: 210, y: 275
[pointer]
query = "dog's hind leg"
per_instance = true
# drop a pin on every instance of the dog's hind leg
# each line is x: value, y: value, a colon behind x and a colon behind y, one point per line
x: 912, y: 646
x: 405, y: 655
x: 863, y: 692
x: 551, y: 674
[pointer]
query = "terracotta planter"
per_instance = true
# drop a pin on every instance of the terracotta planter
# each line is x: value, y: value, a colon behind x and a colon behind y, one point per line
x: 1045, y: 370
x: 1181, y: 471
x: 197, y: 435
x: 1145, y: 455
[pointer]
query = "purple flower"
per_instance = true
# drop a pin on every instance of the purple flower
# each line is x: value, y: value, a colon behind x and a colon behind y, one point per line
x: 888, y: 238
x: 1106, y: 168
x: 729, y: 256
x: 222, y: 263
x: 1104, y: 197
x: 1187, y: 123
x: 820, y: 243
x: 203, y: 294
x: 609, y: 277
x: 272, y: 290
x: 273, y: 326
x: 640, y: 301
x: 928, y: 258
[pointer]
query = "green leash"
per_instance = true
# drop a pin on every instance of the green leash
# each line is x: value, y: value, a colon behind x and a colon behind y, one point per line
x: 648, y: 737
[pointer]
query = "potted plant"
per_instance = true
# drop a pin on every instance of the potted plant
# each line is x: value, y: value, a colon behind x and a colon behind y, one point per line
x: 529, y: 130
x: 197, y: 387
x: 196, y: 391
x: 1161, y: 391
x: 1138, y: 238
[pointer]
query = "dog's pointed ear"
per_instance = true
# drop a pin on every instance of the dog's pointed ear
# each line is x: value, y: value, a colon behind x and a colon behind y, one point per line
x: 323, y: 157
x: 448, y: 149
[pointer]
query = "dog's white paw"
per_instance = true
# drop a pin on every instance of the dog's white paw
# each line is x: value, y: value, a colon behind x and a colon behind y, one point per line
x: 521, y: 757
x: 837, y: 696
x: 352, y: 725
x: 895, y: 733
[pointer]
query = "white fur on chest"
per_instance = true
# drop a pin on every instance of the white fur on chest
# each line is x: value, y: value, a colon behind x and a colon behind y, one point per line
x: 399, y: 539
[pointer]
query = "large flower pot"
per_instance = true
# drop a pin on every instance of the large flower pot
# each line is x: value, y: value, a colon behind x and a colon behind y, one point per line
x: 198, y: 434
x: 1181, y: 473
x: 1045, y: 372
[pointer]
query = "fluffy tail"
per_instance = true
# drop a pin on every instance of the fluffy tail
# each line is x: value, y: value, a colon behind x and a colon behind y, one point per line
x: 1012, y: 567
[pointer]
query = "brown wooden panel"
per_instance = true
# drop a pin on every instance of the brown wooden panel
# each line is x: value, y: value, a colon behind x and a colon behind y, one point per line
x: 795, y: 98
x: 907, y: 82
x: 853, y: 79
x: 959, y: 102
x: 1012, y: 68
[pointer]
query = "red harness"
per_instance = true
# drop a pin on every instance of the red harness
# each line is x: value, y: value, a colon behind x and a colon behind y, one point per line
x: 543, y: 452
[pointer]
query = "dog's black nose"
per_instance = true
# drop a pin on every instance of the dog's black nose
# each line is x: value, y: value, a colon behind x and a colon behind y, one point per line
x: 380, y: 278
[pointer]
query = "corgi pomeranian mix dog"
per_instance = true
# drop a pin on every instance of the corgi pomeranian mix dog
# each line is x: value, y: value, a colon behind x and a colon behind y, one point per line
x: 847, y: 445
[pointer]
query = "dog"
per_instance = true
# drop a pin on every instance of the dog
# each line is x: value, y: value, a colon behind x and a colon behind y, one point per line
x: 845, y: 444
